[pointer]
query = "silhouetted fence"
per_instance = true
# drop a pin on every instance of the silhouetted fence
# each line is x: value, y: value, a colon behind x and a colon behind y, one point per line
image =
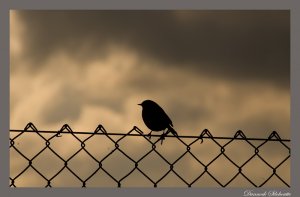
x: 242, y: 168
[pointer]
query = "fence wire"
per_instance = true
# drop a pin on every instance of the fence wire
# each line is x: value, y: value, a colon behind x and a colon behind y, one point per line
x: 255, y: 145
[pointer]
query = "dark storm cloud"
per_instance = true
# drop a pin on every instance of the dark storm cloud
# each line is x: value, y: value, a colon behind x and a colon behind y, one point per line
x: 235, y: 44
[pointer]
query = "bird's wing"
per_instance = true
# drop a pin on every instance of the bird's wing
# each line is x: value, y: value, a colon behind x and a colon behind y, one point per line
x: 165, y: 116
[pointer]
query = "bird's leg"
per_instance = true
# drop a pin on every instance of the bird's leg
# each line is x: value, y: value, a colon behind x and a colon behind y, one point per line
x: 149, y: 135
x: 162, y: 137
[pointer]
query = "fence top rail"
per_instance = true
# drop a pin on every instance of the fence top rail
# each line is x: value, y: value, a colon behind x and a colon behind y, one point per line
x: 239, y: 135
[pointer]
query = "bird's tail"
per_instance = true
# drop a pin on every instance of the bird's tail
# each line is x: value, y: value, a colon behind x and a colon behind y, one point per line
x: 172, y: 131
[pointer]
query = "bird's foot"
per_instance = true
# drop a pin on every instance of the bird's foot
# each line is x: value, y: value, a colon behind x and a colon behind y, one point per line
x: 162, y: 138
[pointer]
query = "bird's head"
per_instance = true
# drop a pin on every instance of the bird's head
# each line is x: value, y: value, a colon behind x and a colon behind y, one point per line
x: 147, y: 103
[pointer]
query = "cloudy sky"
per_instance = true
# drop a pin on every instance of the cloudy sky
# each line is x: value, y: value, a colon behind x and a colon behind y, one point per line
x: 220, y: 70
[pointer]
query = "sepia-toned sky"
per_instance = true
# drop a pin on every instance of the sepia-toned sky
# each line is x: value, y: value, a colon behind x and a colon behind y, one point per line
x: 220, y: 70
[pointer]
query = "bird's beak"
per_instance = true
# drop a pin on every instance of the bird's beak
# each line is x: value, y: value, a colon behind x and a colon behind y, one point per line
x: 140, y: 104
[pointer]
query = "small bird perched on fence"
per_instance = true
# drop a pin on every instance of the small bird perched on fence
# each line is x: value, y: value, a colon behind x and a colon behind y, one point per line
x: 156, y: 119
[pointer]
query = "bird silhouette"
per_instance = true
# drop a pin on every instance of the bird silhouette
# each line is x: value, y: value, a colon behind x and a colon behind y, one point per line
x: 156, y: 119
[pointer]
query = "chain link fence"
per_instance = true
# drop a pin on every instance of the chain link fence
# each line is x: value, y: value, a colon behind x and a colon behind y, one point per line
x: 102, y: 159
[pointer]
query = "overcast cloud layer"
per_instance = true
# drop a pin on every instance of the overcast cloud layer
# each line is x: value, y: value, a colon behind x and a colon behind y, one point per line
x: 237, y: 44
x: 220, y: 70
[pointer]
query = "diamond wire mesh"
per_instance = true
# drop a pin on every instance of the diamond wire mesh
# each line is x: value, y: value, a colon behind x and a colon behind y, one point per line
x: 135, y: 163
